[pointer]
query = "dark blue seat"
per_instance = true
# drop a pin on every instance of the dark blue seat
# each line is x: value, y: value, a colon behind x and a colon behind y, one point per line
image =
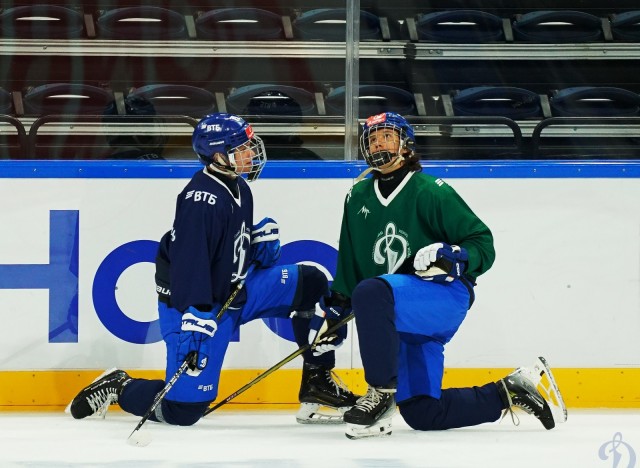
x: 329, y: 24
x: 626, y: 26
x: 562, y: 26
x: 6, y: 102
x: 460, y: 26
x: 41, y: 22
x: 504, y: 101
x: 68, y: 98
x: 170, y: 99
x: 594, y: 101
x: 373, y: 99
x: 271, y: 99
x: 239, y: 24
x: 142, y: 22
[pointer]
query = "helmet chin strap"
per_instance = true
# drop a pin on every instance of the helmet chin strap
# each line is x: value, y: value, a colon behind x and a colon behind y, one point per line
x: 364, y: 173
x: 399, y: 159
x: 225, y: 172
x: 220, y: 167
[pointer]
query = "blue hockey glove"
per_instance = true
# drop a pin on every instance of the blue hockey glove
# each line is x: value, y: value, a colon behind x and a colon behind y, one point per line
x: 440, y: 262
x: 265, y: 243
x: 329, y: 311
x: 197, y: 328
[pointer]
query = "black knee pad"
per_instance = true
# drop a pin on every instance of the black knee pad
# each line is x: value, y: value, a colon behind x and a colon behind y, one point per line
x: 312, y: 284
x: 181, y: 414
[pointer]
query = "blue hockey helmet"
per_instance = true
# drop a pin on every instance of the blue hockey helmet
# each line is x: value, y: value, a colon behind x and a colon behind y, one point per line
x: 386, y: 120
x: 222, y: 140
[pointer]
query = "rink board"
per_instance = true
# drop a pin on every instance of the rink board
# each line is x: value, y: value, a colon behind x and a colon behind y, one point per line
x: 77, y: 291
x: 581, y: 388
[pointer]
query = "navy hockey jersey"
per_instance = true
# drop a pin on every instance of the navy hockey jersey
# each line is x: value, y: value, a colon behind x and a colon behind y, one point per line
x: 207, y: 250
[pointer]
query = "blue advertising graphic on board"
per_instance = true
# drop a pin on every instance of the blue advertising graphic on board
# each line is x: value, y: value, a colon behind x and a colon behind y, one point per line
x: 60, y: 277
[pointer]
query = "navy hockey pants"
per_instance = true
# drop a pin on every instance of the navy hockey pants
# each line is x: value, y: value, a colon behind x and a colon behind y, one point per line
x: 403, y: 323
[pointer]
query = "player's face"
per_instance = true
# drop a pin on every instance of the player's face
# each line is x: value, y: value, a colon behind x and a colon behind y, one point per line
x: 384, y: 139
x: 243, y: 156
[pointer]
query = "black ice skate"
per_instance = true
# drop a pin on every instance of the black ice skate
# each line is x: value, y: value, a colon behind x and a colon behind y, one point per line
x: 99, y: 395
x: 372, y: 414
x: 524, y: 388
x: 320, y: 388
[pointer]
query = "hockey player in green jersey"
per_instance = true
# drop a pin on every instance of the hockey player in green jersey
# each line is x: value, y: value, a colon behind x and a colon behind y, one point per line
x: 410, y: 252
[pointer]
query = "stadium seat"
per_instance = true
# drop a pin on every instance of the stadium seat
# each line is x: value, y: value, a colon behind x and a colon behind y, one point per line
x: 595, y: 101
x: 504, y: 101
x: 271, y: 99
x: 141, y: 22
x: 68, y: 98
x: 170, y: 99
x: 41, y: 22
x: 460, y: 26
x: 6, y: 102
x: 329, y: 24
x: 13, y: 138
x: 373, y: 99
x: 626, y: 26
x: 562, y: 26
x: 239, y: 24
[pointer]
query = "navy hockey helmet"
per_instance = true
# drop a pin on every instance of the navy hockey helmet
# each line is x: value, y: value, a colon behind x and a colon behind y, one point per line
x: 222, y: 139
x: 386, y: 120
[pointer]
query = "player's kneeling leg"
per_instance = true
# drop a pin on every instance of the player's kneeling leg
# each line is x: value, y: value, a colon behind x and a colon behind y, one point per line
x: 180, y: 414
x: 422, y: 413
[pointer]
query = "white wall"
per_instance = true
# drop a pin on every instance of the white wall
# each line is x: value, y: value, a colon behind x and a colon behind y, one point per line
x: 566, y: 282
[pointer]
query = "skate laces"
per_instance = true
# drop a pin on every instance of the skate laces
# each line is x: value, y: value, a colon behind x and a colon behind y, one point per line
x: 370, y: 400
x: 514, y: 417
x: 102, y: 399
x: 519, y: 403
x: 337, y: 382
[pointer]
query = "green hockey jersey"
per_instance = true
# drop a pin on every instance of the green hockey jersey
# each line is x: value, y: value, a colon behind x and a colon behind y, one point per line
x: 378, y: 235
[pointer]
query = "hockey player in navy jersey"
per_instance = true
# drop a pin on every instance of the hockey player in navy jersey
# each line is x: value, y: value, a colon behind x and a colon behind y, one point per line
x: 199, y: 263
x: 410, y: 251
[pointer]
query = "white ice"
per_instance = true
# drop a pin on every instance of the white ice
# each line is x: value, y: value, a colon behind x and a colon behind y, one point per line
x: 590, y: 438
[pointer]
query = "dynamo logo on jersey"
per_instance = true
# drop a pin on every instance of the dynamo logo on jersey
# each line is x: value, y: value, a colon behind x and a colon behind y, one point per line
x: 391, y: 248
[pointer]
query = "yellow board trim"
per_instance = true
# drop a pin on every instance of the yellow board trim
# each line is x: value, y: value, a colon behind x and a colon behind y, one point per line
x: 581, y: 388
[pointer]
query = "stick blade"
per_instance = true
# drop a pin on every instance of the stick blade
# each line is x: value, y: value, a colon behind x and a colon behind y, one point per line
x: 139, y: 438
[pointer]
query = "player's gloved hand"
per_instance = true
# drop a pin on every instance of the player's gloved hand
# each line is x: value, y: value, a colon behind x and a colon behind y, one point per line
x: 265, y: 243
x: 329, y: 311
x: 197, y: 328
x: 440, y: 262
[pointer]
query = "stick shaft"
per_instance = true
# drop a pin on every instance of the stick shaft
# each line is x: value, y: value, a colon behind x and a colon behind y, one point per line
x: 190, y: 357
x: 277, y: 366
x: 164, y: 391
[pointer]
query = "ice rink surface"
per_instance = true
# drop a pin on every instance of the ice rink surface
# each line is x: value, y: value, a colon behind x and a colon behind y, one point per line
x: 590, y: 438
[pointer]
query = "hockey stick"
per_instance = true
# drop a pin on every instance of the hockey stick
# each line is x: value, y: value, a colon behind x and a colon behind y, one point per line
x: 277, y: 366
x: 141, y: 439
x: 364, y: 174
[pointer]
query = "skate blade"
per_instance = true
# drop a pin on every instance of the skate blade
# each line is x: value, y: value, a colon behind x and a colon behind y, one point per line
x: 314, y: 413
x: 379, y: 429
x: 547, y: 386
